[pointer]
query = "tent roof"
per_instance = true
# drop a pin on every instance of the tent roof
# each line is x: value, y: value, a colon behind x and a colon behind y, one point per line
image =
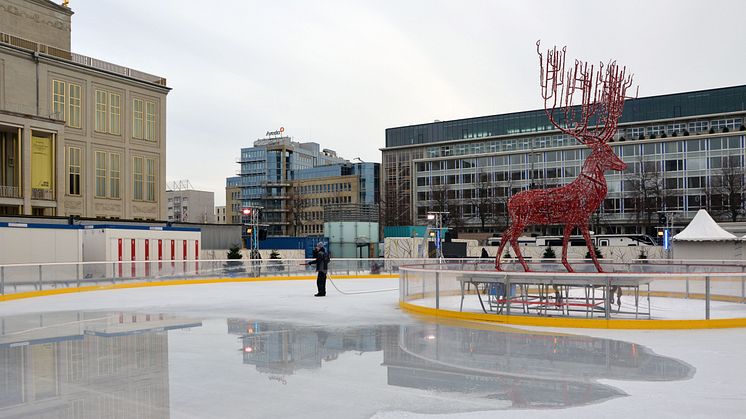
x: 703, y: 228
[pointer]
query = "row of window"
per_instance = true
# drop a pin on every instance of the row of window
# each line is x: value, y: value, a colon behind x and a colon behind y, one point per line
x: 560, y: 140
x: 610, y: 205
x: 690, y: 146
x: 325, y: 188
x: 555, y: 173
x: 67, y: 103
x: 108, y: 171
x: 317, y: 202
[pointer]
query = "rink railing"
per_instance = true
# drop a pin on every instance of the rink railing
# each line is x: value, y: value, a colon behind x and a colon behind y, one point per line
x: 15, y: 278
x: 710, y: 286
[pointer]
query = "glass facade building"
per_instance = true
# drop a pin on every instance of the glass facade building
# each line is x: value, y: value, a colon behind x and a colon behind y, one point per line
x: 266, y: 172
x: 352, y: 185
x: 680, y: 148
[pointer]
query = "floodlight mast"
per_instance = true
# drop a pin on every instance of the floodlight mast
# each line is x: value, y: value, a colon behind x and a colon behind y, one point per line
x: 437, y: 231
x: 251, y: 219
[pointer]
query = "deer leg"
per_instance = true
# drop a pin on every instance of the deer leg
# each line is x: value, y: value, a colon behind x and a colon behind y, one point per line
x: 565, y: 239
x: 503, y: 241
x: 591, y: 249
x: 517, y: 249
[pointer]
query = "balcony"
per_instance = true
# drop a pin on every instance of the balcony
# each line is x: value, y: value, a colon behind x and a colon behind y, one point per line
x: 10, y: 192
x: 43, y: 194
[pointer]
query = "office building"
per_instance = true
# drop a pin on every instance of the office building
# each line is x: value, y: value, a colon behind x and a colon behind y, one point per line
x: 337, y: 185
x: 682, y: 150
x: 266, y: 173
x: 233, y: 200
x: 220, y: 217
x: 78, y: 135
x: 188, y: 205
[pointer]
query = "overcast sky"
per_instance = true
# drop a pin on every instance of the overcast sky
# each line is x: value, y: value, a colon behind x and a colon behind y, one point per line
x: 340, y: 72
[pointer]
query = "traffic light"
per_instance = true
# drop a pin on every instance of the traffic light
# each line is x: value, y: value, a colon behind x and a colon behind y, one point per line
x: 662, y: 218
x: 248, y: 230
x: 246, y: 211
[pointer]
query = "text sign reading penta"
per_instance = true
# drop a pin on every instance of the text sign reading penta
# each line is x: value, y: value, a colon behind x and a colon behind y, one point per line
x: 278, y: 132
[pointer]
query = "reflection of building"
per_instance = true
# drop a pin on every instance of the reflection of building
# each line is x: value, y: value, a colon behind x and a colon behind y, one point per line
x: 78, y: 136
x: 283, y: 348
x: 86, y: 365
x: 529, y: 369
x: 676, y: 144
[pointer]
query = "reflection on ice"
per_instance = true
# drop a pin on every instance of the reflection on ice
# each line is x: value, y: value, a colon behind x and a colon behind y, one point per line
x: 92, y: 364
x: 529, y: 369
x: 86, y: 365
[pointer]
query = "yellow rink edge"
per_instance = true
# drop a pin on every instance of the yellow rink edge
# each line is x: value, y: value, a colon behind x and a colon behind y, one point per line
x: 143, y: 284
x: 565, y: 322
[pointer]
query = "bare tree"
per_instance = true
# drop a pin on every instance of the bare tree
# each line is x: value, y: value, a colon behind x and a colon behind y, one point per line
x: 484, y: 199
x: 728, y: 188
x: 439, y: 197
x: 648, y: 193
x: 297, y: 214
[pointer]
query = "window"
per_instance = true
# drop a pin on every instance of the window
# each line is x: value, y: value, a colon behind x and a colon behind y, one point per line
x: 67, y: 100
x: 108, y: 112
x: 102, y: 106
x: 115, y: 114
x: 58, y: 99
x: 150, y: 180
x: 114, y: 175
x: 137, y: 178
x: 100, y: 174
x: 137, y: 119
x: 75, y: 102
x: 150, y: 121
x: 73, y: 171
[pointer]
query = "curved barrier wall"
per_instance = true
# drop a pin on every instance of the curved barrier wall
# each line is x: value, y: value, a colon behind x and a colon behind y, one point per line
x: 663, y: 294
x: 28, y: 280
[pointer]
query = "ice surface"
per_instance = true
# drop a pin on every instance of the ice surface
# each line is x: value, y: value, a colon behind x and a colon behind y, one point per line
x: 272, y: 350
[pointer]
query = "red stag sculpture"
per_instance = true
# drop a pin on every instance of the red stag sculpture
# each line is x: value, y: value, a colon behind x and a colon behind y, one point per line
x: 592, y: 122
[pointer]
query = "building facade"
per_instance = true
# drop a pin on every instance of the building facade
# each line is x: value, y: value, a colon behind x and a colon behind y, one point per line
x: 78, y: 136
x: 682, y: 150
x: 266, y: 175
x: 233, y: 200
x: 220, y: 217
x: 317, y: 188
x: 190, y: 206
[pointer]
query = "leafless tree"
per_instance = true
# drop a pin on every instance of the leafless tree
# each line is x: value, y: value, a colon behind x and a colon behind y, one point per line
x: 648, y: 192
x: 484, y: 199
x: 728, y: 188
x: 297, y: 215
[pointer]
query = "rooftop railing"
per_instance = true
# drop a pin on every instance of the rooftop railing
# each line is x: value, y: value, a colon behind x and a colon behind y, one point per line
x: 80, y: 59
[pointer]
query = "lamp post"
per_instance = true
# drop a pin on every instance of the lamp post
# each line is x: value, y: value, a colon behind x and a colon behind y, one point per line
x: 437, y: 230
x: 251, y: 221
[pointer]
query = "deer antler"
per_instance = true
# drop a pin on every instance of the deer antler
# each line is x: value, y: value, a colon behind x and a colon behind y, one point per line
x: 602, y: 95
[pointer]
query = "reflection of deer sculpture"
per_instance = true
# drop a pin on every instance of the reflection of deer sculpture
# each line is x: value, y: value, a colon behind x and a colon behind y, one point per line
x: 593, y: 123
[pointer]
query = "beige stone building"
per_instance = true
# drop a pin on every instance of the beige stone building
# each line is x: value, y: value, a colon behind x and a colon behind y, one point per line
x: 78, y: 136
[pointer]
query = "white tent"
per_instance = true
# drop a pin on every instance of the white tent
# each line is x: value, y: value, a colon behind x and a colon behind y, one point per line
x: 704, y: 239
x: 703, y: 228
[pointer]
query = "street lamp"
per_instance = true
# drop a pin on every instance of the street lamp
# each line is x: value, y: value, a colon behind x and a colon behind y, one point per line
x: 436, y: 231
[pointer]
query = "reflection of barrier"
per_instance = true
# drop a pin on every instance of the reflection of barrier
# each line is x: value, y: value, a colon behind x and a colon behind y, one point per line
x: 713, y: 294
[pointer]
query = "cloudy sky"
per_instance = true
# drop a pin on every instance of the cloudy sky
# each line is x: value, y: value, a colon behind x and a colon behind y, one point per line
x: 341, y: 72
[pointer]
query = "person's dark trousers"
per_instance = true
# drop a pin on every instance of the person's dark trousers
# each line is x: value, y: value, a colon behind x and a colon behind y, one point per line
x: 321, y: 283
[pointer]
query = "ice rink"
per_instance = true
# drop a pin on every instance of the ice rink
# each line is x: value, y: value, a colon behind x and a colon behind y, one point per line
x: 270, y: 349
